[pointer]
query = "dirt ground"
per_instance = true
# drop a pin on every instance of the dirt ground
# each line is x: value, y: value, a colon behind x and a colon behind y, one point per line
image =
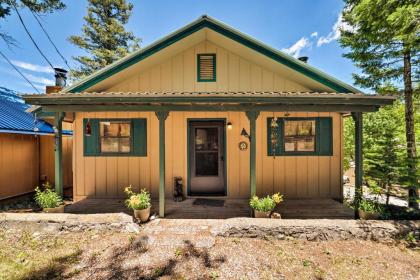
x: 32, y: 254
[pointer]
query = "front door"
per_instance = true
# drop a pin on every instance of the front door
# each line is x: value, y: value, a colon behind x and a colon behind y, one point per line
x: 206, y: 157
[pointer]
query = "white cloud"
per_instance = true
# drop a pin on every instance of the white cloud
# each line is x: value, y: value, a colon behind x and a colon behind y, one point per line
x: 314, y: 34
x: 295, y: 49
x: 335, y: 33
x: 32, y: 67
x: 39, y: 80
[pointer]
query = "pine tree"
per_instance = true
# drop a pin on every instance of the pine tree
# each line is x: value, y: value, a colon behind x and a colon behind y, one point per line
x: 37, y: 6
x: 384, y: 42
x: 104, y: 37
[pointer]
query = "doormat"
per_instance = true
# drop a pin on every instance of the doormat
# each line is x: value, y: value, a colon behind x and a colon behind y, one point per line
x: 209, y: 202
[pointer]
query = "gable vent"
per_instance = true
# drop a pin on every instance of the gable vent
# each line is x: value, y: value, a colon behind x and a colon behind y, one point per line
x: 206, y: 70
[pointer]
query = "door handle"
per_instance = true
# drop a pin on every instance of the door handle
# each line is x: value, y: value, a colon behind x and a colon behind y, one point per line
x: 222, y: 158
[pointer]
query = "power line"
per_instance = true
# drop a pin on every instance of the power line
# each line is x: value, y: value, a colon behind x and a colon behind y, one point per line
x: 49, y: 38
x: 17, y: 70
x: 32, y: 39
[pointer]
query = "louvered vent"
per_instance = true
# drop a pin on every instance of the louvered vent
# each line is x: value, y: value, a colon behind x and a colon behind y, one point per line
x: 206, y: 67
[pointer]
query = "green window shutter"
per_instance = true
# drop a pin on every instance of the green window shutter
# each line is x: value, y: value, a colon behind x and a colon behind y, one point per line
x: 275, y: 151
x: 139, y: 137
x: 324, y: 137
x: 91, y: 143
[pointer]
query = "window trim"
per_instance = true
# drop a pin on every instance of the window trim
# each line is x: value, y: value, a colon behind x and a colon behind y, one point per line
x: 199, y: 67
x: 131, y: 137
x: 282, y: 152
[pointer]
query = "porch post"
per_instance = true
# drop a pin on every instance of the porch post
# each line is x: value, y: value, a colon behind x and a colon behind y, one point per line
x: 58, y: 152
x: 252, y: 116
x: 162, y: 115
x: 358, y: 150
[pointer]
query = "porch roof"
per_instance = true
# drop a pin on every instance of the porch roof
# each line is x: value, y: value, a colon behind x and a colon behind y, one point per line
x: 212, y: 101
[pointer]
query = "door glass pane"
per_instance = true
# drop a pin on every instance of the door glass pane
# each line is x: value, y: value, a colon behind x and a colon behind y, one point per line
x: 206, y: 151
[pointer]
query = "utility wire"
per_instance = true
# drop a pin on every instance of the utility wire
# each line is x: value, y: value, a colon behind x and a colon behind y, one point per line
x: 17, y: 70
x: 32, y: 39
x: 49, y: 38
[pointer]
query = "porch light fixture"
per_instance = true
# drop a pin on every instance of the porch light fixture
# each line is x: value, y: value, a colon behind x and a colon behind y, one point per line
x: 229, y: 126
x: 88, y: 129
x: 245, y: 134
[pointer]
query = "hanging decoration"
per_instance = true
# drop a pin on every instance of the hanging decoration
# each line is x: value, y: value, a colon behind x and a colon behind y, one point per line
x: 88, y: 128
x: 274, y: 135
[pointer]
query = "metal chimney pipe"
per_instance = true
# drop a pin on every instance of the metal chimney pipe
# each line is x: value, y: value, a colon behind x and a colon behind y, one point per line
x: 303, y: 59
x: 60, y: 77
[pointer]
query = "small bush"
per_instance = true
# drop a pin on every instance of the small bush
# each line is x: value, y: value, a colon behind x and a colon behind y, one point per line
x: 265, y: 204
x: 370, y: 206
x: 137, y: 201
x: 47, y: 198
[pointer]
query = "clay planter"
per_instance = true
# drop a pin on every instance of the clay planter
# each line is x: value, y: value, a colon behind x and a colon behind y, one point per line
x: 260, y: 214
x: 59, y: 209
x: 142, y: 215
x: 368, y: 215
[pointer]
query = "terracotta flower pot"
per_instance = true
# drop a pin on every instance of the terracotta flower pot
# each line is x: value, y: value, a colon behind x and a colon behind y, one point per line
x: 368, y: 215
x: 261, y: 214
x: 59, y: 209
x: 142, y: 215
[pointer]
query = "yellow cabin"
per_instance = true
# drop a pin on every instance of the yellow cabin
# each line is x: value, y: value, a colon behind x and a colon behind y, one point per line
x: 230, y: 115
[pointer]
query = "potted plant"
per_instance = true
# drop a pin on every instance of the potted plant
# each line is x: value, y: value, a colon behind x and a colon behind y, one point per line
x: 369, y: 210
x: 49, y: 200
x: 139, y: 202
x: 264, y: 206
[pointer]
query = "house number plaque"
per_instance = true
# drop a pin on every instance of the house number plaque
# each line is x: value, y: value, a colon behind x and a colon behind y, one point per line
x: 243, y: 146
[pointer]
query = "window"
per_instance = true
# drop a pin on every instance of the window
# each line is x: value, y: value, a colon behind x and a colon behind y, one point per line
x: 299, y: 136
x: 206, y: 67
x: 115, y: 136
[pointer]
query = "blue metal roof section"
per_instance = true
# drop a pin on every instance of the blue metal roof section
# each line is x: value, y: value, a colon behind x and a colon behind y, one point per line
x: 15, y: 119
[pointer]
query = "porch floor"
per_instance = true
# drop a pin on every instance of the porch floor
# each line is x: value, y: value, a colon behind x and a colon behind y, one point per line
x: 289, y: 209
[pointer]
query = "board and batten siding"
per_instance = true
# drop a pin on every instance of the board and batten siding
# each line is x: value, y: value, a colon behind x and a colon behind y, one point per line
x: 293, y: 176
x: 233, y: 73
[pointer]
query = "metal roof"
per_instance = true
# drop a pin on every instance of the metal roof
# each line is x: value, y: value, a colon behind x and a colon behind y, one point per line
x: 15, y: 119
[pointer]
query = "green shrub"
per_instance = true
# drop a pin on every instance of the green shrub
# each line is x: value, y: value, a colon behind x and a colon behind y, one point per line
x: 47, y: 198
x: 137, y: 201
x: 370, y: 206
x: 265, y: 204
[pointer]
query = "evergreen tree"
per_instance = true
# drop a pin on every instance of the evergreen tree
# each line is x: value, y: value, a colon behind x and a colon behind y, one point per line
x: 37, y: 6
x: 104, y: 37
x: 384, y: 42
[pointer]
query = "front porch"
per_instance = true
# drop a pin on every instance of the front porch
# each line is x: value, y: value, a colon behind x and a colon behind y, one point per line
x: 220, y: 208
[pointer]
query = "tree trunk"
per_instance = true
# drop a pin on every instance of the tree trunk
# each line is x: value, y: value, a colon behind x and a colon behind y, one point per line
x: 409, y: 130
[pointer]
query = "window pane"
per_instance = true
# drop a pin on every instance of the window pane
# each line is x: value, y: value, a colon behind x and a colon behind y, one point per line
x: 115, y: 129
x: 109, y: 145
x: 299, y: 136
x: 125, y: 145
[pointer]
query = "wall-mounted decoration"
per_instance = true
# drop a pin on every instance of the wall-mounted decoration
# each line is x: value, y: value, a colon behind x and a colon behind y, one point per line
x: 243, y: 146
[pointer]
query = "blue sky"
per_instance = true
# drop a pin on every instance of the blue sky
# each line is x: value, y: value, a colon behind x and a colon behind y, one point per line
x: 300, y: 27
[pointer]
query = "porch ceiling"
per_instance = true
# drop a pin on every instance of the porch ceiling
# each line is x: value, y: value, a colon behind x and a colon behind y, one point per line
x: 209, y: 101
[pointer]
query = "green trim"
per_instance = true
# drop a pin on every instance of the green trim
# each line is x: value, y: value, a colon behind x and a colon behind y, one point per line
x: 207, y: 22
x: 358, y: 156
x: 252, y: 117
x: 188, y: 151
x: 162, y: 116
x: 217, y: 107
x: 138, y: 143
x: 58, y: 153
x: 323, y: 137
x: 199, y: 79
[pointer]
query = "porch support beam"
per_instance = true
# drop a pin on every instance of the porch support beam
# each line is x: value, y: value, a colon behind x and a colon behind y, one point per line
x: 252, y: 116
x: 358, y: 150
x: 162, y: 115
x: 58, y: 153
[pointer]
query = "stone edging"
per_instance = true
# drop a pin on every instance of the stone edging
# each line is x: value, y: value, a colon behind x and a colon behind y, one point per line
x: 318, y: 230
x: 73, y: 222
